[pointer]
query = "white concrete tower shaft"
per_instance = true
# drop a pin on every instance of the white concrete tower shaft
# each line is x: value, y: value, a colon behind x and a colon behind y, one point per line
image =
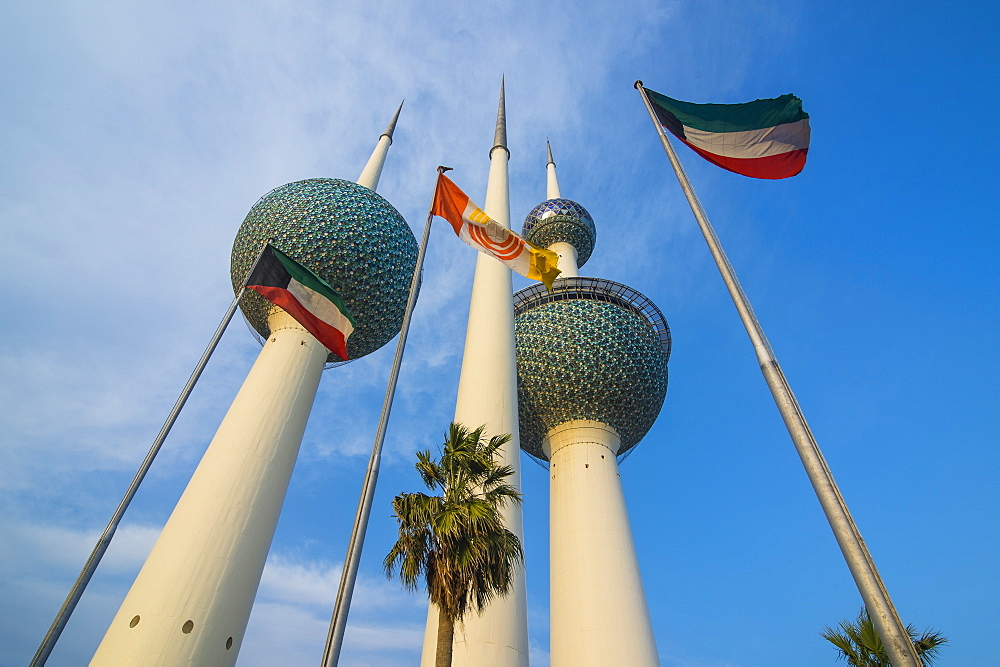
x: 192, y: 599
x: 598, y: 614
x: 568, y: 257
x: 487, y: 394
x: 191, y: 602
x: 597, y: 609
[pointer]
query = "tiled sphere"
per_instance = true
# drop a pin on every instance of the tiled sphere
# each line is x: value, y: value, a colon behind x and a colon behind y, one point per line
x: 587, y: 359
x: 562, y: 220
x: 347, y: 234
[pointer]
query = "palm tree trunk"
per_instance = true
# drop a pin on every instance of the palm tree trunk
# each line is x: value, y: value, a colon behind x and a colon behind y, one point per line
x: 445, y: 638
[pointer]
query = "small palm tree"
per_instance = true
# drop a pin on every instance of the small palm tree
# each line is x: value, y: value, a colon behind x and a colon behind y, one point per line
x: 860, y: 645
x: 456, y: 540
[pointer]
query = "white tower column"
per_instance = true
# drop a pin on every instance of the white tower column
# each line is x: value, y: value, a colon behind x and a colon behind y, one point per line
x: 487, y: 394
x: 191, y: 602
x: 598, y: 612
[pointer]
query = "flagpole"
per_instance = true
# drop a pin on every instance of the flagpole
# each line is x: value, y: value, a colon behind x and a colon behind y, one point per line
x: 75, y: 593
x: 876, y: 598
x: 349, y: 573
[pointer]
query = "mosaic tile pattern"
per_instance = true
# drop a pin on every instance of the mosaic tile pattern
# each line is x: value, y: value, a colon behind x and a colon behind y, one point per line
x: 561, y: 220
x: 353, y: 238
x: 587, y: 358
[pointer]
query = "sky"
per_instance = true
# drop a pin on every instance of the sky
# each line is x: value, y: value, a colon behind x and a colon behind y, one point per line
x: 136, y: 137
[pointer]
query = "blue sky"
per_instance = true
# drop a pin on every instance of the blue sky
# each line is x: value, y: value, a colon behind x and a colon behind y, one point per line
x: 136, y: 138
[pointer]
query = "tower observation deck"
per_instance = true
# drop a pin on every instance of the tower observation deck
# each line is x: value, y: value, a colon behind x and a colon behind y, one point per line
x: 347, y: 234
x: 560, y: 220
x: 590, y: 349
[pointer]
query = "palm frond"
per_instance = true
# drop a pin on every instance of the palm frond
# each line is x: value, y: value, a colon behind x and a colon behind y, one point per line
x: 860, y: 645
x: 928, y: 645
x: 456, y: 541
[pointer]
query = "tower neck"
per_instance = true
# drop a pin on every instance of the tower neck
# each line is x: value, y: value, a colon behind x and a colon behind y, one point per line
x: 568, y: 258
x: 373, y: 170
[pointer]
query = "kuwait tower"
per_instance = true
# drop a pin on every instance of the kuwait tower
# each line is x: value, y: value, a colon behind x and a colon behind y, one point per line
x: 592, y: 375
x: 191, y: 601
x: 487, y: 394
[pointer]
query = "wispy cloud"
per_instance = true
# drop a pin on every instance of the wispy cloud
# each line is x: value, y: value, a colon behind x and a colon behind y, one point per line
x: 292, y: 612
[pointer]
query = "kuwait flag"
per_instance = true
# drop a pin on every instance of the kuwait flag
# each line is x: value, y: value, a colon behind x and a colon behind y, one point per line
x: 763, y: 138
x: 305, y: 296
x: 484, y: 233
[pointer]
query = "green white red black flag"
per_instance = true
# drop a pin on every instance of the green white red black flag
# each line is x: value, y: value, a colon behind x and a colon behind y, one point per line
x: 305, y: 296
x: 766, y: 138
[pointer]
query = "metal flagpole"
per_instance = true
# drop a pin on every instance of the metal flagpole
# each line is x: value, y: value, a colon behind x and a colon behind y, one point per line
x: 55, y: 630
x: 859, y: 561
x: 349, y: 573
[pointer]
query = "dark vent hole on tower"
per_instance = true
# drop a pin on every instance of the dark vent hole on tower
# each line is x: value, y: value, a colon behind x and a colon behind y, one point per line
x: 187, y: 627
x: 134, y: 622
x: 229, y: 643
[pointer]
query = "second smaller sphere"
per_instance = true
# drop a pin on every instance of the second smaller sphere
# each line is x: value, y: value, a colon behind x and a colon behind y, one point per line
x: 562, y: 221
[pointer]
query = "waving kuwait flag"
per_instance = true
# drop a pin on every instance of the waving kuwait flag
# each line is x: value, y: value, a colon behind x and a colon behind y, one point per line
x: 482, y: 232
x: 305, y: 296
x: 762, y: 139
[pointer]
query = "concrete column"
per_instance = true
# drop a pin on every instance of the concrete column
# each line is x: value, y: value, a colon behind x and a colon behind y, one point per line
x: 487, y: 394
x: 598, y: 612
x: 191, y: 601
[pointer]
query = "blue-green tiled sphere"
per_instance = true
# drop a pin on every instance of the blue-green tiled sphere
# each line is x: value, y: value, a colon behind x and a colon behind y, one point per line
x: 350, y: 236
x: 562, y: 220
x: 591, y: 352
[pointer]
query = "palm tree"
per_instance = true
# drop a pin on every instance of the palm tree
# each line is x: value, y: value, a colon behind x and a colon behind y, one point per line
x: 456, y: 540
x: 860, y: 645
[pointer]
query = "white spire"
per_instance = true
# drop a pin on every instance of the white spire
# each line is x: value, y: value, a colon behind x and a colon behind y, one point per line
x: 500, y: 136
x: 487, y: 394
x: 552, y: 188
x: 373, y: 170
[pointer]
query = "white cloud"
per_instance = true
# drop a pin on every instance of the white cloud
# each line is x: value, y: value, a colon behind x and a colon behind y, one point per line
x: 42, y: 547
x: 292, y: 612
x: 309, y: 582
